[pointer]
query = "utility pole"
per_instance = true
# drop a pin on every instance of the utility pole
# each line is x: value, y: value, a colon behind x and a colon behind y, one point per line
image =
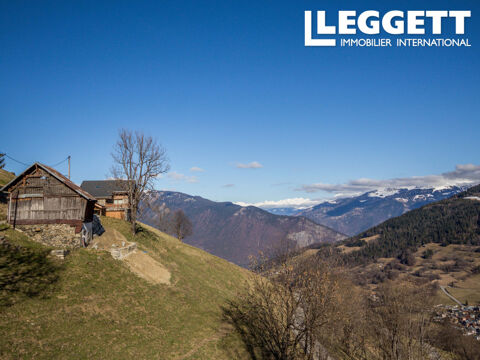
x: 68, y: 167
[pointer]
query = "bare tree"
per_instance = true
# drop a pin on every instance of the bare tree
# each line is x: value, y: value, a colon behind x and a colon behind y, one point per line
x: 451, y: 339
x: 400, y: 316
x: 349, y: 332
x: 284, y: 316
x: 182, y: 227
x: 139, y: 159
x: 162, y: 218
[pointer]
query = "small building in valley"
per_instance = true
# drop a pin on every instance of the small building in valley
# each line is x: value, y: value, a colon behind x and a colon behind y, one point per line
x: 111, y: 195
x: 49, y: 207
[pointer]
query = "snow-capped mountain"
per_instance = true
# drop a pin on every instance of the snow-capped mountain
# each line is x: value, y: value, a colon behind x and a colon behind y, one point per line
x: 355, y: 214
x: 289, y: 211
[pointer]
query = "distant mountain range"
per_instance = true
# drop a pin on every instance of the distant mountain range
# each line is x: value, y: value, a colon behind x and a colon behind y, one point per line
x: 455, y: 220
x: 288, y: 211
x: 234, y: 232
x: 353, y: 215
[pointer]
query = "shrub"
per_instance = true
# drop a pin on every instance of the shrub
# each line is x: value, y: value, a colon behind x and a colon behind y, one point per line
x: 406, y: 257
x: 427, y: 254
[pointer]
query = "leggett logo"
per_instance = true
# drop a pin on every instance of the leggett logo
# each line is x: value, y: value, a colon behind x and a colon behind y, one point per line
x: 394, y: 22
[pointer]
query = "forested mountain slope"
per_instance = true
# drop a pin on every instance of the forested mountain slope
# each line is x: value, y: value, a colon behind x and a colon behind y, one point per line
x: 452, y: 221
x: 353, y: 215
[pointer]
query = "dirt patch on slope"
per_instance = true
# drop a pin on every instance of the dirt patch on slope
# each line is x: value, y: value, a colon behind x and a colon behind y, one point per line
x: 110, y: 238
x: 138, y: 261
x: 147, y: 268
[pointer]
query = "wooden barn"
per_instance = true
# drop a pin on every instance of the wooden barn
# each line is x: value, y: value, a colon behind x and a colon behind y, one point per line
x: 50, y: 207
x: 111, y: 195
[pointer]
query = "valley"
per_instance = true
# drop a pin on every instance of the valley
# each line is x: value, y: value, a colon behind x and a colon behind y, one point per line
x: 437, y: 244
x: 234, y: 232
x: 176, y: 299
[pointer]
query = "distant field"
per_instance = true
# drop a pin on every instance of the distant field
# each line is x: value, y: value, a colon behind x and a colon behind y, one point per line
x: 349, y: 249
x: 452, y: 265
x: 467, y: 290
x: 99, y: 309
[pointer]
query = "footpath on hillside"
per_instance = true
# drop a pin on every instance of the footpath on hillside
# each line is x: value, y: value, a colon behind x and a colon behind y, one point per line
x: 138, y: 261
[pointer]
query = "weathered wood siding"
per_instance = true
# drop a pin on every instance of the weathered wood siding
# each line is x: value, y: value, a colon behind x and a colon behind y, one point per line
x: 48, y: 208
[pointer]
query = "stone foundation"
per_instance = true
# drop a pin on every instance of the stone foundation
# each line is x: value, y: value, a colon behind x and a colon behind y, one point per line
x: 120, y: 253
x: 57, y: 235
x: 61, y: 254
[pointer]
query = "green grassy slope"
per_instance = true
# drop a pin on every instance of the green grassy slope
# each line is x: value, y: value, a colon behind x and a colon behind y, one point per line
x: 99, y: 309
x: 5, y: 177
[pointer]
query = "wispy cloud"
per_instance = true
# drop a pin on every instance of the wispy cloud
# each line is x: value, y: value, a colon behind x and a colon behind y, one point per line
x: 297, y: 203
x: 228, y: 185
x: 251, y: 165
x: 181, y: 177
x: 283, y: 183
x: 468, y: 174
x: 196, y: 169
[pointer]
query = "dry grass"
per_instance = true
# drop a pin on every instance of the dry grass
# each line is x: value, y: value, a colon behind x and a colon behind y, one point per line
x: 449, y: 265
x: 5, y: 177
x: 100, y: 309
x: 467, y: 290
x: 349, y: 249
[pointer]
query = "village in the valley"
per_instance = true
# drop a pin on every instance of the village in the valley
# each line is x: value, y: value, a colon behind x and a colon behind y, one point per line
x: 465, y: 318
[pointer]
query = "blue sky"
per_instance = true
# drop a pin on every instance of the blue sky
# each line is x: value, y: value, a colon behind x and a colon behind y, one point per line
x: 222, y: 83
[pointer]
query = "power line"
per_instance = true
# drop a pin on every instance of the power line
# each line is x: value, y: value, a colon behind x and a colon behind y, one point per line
x: 15, y: 160
x: 61, y: 162
x: 22, y: 163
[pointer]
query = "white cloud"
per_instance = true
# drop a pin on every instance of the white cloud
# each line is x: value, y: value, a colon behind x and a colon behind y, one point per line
x: 251, y: 165
x: 196, y: 169
x: 468, y: 174
x: 181, y: 177
x: 297, y: 203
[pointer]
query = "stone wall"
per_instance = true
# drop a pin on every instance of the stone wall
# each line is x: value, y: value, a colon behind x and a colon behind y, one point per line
x: 57, y: 235
x: 120, y: 253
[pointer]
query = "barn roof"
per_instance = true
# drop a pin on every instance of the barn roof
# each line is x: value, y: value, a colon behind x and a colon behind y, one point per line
x: 104, y: 188
x: 62, y: 178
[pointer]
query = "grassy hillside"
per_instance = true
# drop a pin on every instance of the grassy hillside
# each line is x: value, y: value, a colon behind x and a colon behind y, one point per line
x: 97, y: 308
x: 5, y: 177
